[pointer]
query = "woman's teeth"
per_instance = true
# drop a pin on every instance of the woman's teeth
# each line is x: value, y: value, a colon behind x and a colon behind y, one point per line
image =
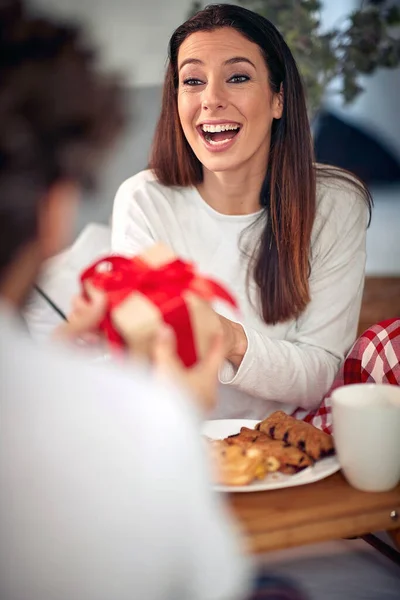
x: 213, y: 134
x: 218, y: 128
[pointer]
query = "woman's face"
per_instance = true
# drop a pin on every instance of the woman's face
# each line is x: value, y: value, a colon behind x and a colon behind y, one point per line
x: 225, y: 103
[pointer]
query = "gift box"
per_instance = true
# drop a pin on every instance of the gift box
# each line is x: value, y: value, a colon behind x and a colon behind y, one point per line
x: 155, y: 287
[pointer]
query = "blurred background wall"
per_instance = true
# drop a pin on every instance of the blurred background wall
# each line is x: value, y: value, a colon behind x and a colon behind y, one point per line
x: 132, y: 36
x: 376, y: 111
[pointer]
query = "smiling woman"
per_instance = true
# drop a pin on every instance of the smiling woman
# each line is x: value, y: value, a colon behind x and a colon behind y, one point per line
x: 233, y: 186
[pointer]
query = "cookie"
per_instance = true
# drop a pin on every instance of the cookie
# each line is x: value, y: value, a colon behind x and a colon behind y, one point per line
x: 303, y: 436
x: 285, y: 458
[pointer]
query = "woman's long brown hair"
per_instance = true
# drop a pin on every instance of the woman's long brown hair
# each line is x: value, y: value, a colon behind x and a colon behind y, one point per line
x: 280, y: 264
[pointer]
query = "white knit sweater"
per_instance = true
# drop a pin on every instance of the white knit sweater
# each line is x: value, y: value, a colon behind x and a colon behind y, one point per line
x: 288, y: 365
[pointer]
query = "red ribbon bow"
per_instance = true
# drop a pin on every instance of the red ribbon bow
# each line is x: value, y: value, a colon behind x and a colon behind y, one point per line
x: 163, y: 286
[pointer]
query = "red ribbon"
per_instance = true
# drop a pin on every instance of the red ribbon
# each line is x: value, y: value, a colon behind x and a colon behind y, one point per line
x: 163, y: 286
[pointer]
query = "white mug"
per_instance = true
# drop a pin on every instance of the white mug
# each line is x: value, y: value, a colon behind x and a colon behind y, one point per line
x: 366, y: 430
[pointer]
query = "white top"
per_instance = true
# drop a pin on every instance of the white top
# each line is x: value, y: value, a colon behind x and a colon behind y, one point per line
x: 104, y: 492
x: 290, y: 364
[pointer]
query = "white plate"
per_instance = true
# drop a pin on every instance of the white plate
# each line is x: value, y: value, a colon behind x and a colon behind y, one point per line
x: 220, y: 429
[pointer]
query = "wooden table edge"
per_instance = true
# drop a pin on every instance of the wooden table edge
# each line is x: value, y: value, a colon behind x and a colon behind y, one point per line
x: 322, y: 531
x: 263, y: 533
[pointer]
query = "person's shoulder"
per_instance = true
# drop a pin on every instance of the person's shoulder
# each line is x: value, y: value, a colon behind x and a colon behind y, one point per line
x: 146, y: 184
x: 135, y: 186
x: 139, y: 180
x: 335, y: 185
x: 340, y: 196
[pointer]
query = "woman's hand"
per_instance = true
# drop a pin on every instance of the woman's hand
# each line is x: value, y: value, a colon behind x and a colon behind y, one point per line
x: 84, y: 318
x: 235, y: 341
x: 202, y: 378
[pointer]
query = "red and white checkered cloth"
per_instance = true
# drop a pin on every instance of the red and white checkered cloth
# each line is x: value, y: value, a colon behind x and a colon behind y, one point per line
x: 374, y: 358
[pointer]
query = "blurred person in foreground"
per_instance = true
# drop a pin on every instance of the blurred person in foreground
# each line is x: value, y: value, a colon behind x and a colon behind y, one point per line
x: 104, y: 494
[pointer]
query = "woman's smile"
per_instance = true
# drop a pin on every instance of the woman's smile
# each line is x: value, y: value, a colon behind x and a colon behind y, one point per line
x: 219, y: 136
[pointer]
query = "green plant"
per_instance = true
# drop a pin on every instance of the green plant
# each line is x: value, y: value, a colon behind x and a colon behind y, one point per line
x: 360, y: 44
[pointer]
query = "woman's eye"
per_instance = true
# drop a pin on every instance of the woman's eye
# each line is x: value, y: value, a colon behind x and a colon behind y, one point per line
x: 192, y: 81
x: 239, y: 79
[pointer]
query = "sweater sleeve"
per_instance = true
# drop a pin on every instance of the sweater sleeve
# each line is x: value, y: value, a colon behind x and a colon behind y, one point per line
x: 300, y: 370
